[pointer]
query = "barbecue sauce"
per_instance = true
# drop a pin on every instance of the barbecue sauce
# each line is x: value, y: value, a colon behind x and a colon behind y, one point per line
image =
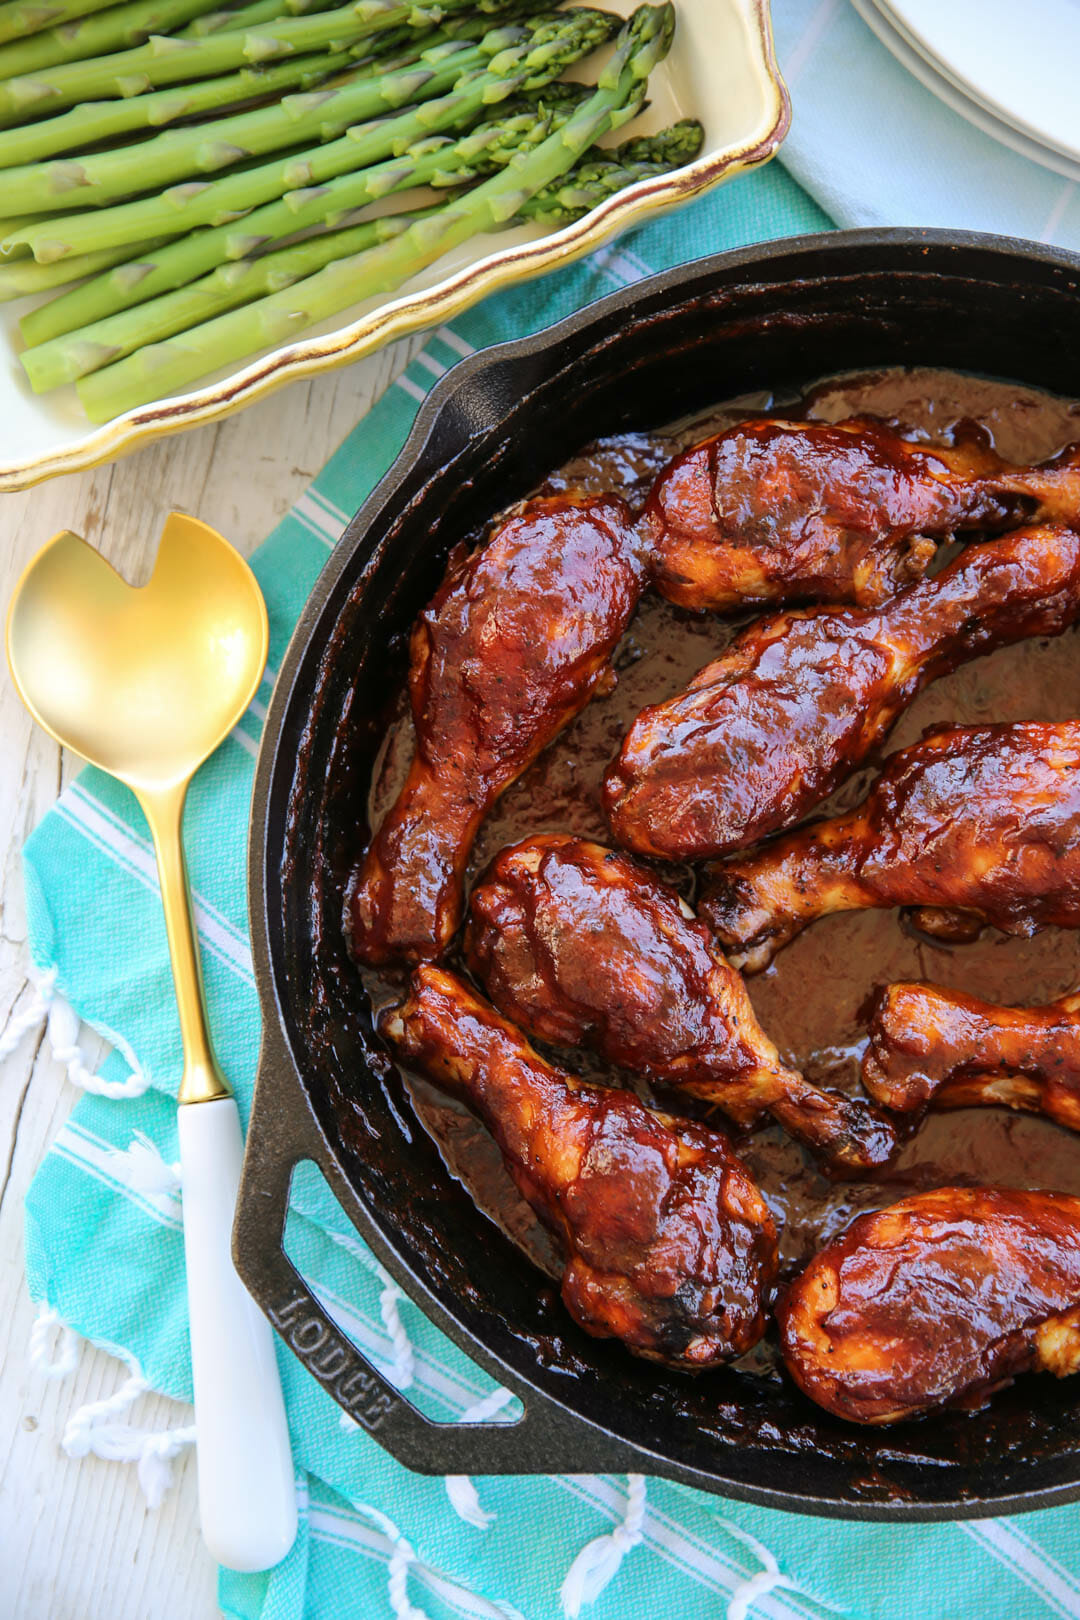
x: 814, y: 999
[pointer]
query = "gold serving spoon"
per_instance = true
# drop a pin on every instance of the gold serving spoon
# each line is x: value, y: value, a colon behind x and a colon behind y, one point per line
x: 145, y: 684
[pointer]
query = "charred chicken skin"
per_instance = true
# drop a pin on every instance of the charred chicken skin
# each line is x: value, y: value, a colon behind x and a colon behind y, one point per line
x: 515, y: 642
x: 974, y: 825
x: 669, y: 1245
x: 932, y: 1048
x: 937, y: 1301
x: 581, y: 947
x: 800, y: 699
x: 775, y: 511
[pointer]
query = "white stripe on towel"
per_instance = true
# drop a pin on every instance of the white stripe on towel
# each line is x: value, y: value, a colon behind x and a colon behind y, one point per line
x: 455, y: 341
x: 1057, y: 1586
x: 314, y: 513
x: 413, y: 390
x: 136, y: 854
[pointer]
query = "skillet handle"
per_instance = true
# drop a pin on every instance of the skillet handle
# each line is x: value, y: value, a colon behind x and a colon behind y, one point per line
x: 282, y: 1133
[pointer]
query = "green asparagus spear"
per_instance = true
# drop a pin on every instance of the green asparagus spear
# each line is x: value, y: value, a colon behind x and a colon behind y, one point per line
x: 259, y: 11
x: 75, y: 355
x: 116, y: 29
x: 18, y: 250
x: 233, y: 17
x: 430, y: 161
x: 298, y: 120
x: 96, y: 122
x: 95, y: 343
x: 180, y: 208
x: 249, y: 16
x: 588, y: 185
x: 162, y: 61
x: 162, y: 369
x: 540, y: 50
x: 293, y: 121
x: 21, y: 17
x: 25, y: 276
x: 127, y: 26
x: 592, y: 182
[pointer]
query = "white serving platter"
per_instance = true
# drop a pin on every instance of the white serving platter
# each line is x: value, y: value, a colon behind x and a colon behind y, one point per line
x: 721, y: 70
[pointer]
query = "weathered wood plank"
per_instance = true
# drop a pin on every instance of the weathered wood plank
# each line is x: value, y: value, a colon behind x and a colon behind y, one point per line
x: 76, y: 1538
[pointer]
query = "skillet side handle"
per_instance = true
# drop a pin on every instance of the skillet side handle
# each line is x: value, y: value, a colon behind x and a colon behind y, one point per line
x: 547, y: 1439
x: 273, y: 1152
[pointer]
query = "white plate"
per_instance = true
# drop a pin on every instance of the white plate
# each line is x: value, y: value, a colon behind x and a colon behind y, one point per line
x: 1028, y: 142
x: 874, y: 15
x: 1017, y: 58
x: 721, y: 69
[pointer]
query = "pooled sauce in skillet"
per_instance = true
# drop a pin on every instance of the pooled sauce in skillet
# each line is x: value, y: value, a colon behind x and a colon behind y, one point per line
x: 814, y: 998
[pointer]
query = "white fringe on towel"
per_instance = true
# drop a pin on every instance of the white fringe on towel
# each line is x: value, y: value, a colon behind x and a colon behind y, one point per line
x: 404, y: 1355
x: 95, y: 1427
x: 459, y: 1487
x: 143, y: 1167
x: 63, y: 1029
x: 756, y: 1586
x: 404, y: 1369
x: 43, y: 1337
x: 598, y: 1561
x: 403, y: 1558
x: 398, y: 1571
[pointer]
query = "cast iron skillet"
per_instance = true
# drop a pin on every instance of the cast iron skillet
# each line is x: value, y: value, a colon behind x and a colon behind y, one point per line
x: 776, y: 316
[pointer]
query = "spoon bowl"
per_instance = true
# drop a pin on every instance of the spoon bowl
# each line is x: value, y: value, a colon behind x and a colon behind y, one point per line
x: 143, y: 682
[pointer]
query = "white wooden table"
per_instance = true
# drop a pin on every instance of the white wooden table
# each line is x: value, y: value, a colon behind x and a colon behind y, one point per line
x: 77, y: 1541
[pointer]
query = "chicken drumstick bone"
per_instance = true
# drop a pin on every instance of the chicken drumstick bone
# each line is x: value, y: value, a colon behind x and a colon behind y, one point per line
x: 669, y: 1245
x: 982, y: 822
x: 799, y: 700
x: 581, y: 947
x: 515, y: 642
x: 775, y: 511
x: 936, y: 1048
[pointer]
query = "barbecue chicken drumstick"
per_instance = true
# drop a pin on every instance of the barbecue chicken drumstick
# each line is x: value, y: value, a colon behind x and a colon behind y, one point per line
x: 775, y: 511
x: 799, y: 700
x: 514, y: 644
x: 934, y: 1048
x: 938, y: 1301
x: 669, y: 1245
x: 973, y: 825
x: 581, y: 947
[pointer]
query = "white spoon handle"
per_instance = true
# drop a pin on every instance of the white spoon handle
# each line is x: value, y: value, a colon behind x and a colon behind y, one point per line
x: 247, y: 1493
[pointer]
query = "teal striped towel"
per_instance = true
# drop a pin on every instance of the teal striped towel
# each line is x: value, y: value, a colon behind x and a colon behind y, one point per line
x: 103, y: 1216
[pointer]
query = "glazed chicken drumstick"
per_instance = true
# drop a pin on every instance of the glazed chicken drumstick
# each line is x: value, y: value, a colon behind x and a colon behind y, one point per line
x: 581, y: 947
x: 938, y: 1301
x: 799, y: 700
x: 669, y: 1245
x: 973, y: 825
x: 517, y: 639
x: 935, y: 1048
x: 776, y: 511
